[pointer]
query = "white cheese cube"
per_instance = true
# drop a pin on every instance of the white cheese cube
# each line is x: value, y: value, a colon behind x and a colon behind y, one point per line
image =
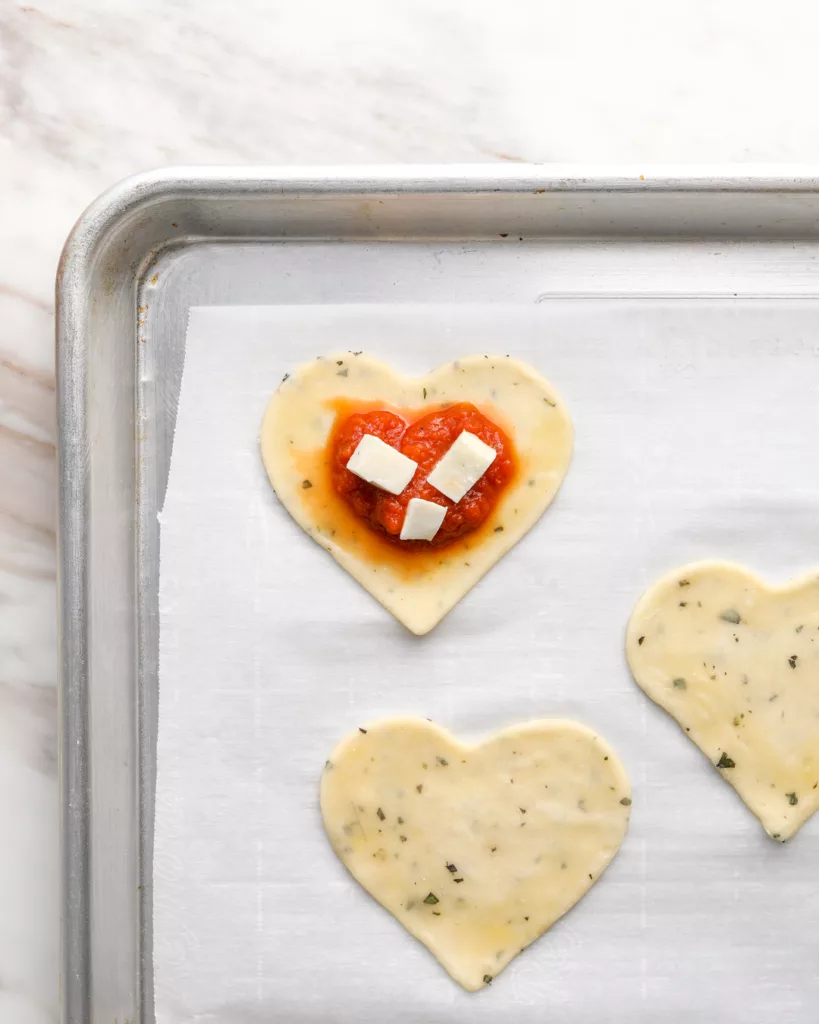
x: 462, y: 466
x: 381, y: 465
x: 422, y: 520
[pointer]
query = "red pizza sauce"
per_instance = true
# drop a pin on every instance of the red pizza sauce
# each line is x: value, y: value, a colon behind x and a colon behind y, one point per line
x: 425, y: 441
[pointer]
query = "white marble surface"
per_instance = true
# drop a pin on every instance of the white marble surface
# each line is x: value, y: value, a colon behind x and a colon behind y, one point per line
x: 93, y: 90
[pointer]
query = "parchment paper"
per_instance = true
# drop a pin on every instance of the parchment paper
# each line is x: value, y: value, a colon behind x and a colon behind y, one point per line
x: 697, y: 434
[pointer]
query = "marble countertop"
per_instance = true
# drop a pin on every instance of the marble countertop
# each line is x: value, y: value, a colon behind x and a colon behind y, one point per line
x: 94, y: 90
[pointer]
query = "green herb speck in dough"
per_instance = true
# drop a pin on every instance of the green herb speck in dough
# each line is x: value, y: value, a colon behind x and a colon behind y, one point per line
x: 425, y: 392
x: 487, y: 978
x: 498, y: 529
x: 684, y: 583
x: 799, y: 628
x: 626, y: 801
x: 683, y: 604
x: 418, y: 788
x: 451, y: 868
x: 726, y: 762
x: 793, y: 799
x: 680, y: 683
x: 640, y: 641
x: 730, y: 615
x: 792, y: 661
x: 457, y: 879
x: 380, y: 814
x: 403, y: 839
x: 442, y: 761
x: 306, y: 485
x: 431, y: 899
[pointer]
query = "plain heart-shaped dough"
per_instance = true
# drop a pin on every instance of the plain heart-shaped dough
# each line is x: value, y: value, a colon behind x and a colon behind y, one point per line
x: 476, y: 850
x: 419, y: 588
x: 736, y: 662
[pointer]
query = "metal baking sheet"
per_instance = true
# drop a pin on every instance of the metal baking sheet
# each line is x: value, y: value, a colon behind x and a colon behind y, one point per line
x: 158, y: 244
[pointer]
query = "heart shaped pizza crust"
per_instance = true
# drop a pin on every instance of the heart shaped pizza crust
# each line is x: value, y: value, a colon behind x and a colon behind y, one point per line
x: 476, y: 850
x: 736, y: 662
x: 418, y: 587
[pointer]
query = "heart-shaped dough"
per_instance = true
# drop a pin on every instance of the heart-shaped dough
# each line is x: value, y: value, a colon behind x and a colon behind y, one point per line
x: 476, y: 850
x: 736, y: 662
x: 418, y: 587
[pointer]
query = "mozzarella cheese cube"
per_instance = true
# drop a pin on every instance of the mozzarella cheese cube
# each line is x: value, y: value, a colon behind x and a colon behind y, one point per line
x: 462, y: 466
x: 422, y: 519
x: 381, y: 465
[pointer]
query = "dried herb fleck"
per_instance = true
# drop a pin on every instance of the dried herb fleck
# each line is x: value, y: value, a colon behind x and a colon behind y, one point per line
x: 683, y: 604
x: 726, y: 762
x: 548, y: 401
x: 418, y: 788
x: 680, y: 684
x: 730, y: 615
x: 640, y: 641
x: 626, y: 801
x: 431, y: 899
x: 799, y: 628
x: 684, y: 583
x: 451, y: 868
x: 792, y: 661
x: 361, y: 730
x: 793, y: 799
x: 425, y: 392
x: 457, y: 879
x: 306, y: 485
x: 487, y: 978
x: 442, y: 761
x: 498, y: 529
x: 381, y: 814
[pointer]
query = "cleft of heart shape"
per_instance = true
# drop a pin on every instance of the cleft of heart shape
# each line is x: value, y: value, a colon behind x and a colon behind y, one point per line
x: 476, y: 850
x: 736, y: 662
x: 419, y: 585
